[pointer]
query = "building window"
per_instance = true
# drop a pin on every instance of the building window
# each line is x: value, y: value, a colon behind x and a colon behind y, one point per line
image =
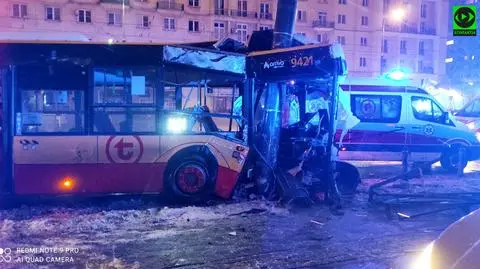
x: 363, y: 61
x: 264, y: 27
x: 220, y: 7
x: 242, y: 32
x: 364, y: 20
x: 193, y: 26
x: 420, y: 66
x: 365, y: 3
x: 342, y: 2
x: 341, y: 19
x: 383, y: 64
x: 403, y: 47
x: 422, y: 27
x: 84, y: 16
x: 377, y: 108
x: 52, y: 13
x: 219, y: 29
x: 114, y: 18
x: 341, y: 40
x: 19, y: 11
x: 385, y: 46
x: 301, y: 15
x: 423, y: 11
x: 242, y: 8
x: 421, y: 48
x: 363, y: 41
x: 322, y: 18
x: 143, y: 22
x: 169, y: 24
x: 322, y: 38
x: 194, y: 3
x: 265, y: 11
x: 386, y: 6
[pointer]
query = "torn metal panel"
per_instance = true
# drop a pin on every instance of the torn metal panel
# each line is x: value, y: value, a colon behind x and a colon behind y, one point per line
x: 219, y: 61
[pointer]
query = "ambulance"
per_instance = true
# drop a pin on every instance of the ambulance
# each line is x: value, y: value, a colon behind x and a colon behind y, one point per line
x: 470, y: 115
x: 399, y: 116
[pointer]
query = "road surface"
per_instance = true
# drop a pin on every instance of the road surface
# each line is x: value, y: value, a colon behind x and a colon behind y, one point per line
x: 237, y: 234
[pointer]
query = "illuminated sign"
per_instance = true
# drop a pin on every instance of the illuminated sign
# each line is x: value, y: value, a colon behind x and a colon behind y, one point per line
x: 291, y: 63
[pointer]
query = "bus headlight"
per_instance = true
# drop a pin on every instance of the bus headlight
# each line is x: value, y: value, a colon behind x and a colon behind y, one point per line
x: 425, y: 259
x: 176, y: 125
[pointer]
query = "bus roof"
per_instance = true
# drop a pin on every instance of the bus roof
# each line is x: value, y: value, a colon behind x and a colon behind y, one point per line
x: 123, y: 54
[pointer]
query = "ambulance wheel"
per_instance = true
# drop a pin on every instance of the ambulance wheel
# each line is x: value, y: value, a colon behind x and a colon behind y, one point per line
x: 449, y: 159
x: 190, y: 180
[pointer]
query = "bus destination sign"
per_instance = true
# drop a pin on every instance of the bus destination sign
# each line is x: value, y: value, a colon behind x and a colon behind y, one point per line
x: 289, y: 63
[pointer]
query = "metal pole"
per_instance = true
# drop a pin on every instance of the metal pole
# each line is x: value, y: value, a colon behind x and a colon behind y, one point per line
x: 382, y: 44
x: 249, y: 108
x: 285, y: 23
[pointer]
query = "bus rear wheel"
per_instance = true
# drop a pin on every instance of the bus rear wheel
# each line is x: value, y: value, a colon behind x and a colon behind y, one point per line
x: 190, y: 180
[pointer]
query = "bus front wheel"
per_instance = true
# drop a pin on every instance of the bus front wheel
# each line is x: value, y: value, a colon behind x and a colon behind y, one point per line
x: 190, y: 180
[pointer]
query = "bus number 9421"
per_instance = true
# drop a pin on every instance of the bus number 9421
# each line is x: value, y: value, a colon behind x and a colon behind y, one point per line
x: 302, y: 61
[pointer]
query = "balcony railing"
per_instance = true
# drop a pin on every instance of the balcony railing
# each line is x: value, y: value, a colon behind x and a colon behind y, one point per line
x: 221, y: 12
x: 428, y: 31
x: 126, y: 2
x: 404, y: 28
x: 169, y: 5
x: 245, y: 14
x: 323, y: 24
x: 266, y: 16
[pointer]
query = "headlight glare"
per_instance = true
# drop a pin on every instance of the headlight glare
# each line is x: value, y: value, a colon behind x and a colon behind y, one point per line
x: 176, y: 125
x: 424, y: 261
x: 471, y: 125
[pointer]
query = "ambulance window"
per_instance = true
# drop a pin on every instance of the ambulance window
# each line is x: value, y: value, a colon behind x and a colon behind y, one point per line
x: 427, y: 110
x: 377, y: 108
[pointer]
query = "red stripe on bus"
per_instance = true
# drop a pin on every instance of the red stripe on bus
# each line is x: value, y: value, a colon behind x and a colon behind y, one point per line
x: 226, y: 182
x: 104, y: 178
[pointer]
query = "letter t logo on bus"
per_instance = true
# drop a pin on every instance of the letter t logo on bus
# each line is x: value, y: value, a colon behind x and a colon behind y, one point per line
x: 121, y: 146
x: 124, y: 149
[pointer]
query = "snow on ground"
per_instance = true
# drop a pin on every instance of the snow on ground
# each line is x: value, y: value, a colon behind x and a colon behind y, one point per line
x: 132, y: 233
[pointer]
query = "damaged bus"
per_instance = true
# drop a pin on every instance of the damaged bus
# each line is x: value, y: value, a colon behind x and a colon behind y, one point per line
x: 101, y: 119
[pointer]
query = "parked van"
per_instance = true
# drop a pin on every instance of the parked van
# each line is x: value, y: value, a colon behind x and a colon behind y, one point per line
x: 470, y: 115
x: 397, y: 117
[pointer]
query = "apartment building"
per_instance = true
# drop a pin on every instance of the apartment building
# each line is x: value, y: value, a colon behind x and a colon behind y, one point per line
x: 372, y: 43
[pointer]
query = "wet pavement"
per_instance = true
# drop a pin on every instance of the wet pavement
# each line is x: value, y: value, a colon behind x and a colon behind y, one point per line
x: 245, y: 234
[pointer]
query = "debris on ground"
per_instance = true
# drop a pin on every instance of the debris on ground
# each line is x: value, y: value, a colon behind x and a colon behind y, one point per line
x: 241, y: 234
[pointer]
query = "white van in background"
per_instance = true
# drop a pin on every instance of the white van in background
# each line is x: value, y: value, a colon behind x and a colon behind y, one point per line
x: 398, y: 116
x: 470, y: 115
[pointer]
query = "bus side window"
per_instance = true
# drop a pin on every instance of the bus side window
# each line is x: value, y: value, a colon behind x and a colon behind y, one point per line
x: 103, y: 123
